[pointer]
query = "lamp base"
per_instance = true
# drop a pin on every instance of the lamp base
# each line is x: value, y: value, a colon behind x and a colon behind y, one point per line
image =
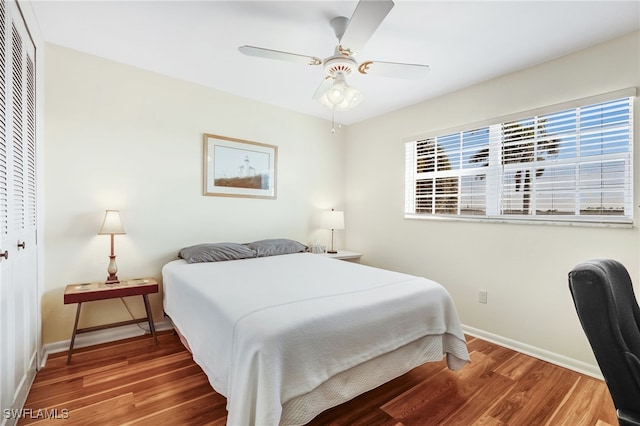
x: 332, y: 251
x: 112, y: 269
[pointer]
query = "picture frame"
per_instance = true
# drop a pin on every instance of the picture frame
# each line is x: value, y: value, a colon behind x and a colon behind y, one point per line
x: 239, y: 168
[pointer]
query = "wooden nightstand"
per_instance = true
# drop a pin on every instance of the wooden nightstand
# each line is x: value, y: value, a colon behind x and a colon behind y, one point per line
x: 87, y: 292
x: 349, y: 256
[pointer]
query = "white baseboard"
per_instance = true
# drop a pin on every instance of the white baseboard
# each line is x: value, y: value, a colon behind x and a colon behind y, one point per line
x: 552, y: 357
x: 102, y: 336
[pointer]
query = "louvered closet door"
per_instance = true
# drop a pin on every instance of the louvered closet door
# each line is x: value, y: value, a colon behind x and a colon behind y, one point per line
x: 18, y: 271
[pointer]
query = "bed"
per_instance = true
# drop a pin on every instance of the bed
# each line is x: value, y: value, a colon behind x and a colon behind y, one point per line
x: 285, y: 336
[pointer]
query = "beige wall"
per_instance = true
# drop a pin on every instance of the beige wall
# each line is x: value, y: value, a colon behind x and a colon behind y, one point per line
x: 120, y: 137
x: 523, y: 267
x: 123, y: 138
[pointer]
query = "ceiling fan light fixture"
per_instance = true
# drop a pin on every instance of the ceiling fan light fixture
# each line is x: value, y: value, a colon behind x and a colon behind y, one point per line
x: 341, y: 96
x: 337, y: 93
x: 352, y: 99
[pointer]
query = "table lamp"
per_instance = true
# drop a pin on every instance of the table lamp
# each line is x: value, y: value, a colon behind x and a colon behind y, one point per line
x: 112, y: 226
x: 333, y: 220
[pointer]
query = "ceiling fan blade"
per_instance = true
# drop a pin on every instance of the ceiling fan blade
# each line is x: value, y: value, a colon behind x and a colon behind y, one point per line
x: 368, y: 15
x: 278, y: 55
x: 323, y: 88
x: 394, y: 69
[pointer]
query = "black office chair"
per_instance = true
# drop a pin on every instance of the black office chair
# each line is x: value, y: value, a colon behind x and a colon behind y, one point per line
x: 608, y: 311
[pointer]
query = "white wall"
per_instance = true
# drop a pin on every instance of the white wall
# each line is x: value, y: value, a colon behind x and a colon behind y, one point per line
x: 123, y: 138
x: 523, y: 267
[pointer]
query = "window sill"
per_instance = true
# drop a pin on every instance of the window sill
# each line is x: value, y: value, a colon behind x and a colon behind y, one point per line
x: 523, y: 221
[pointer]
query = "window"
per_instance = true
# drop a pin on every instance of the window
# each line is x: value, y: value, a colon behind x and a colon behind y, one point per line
x: 567, y: 164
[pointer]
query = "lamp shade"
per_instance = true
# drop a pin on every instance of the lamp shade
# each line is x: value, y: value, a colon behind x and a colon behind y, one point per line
x: 341, y: 96
x: 351, y: 99
x: 335, y: 95
x: 333, y: 220
x: 111, y: 224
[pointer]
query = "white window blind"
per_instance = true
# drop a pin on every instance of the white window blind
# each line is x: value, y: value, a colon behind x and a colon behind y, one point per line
x: 573, y: 164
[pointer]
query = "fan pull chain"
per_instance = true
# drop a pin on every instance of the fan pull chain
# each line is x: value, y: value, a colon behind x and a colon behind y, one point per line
x: 333, y: 123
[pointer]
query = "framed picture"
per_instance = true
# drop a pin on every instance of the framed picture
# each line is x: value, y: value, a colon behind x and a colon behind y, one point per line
x: 239, y: 168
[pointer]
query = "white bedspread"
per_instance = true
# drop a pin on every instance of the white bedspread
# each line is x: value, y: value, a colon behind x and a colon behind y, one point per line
x: 267, y: 330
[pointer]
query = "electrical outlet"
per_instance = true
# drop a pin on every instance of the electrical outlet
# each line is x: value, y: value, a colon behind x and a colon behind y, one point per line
x: 482, y: 296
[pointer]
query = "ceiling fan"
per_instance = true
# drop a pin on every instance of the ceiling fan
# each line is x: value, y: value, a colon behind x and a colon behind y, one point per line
x: 352, y: 34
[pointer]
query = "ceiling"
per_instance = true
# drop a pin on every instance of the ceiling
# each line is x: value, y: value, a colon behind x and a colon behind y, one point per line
x: 464, y: 43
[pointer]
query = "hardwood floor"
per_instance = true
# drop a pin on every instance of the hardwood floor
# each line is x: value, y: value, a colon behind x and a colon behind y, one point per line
x: 133, y: 382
